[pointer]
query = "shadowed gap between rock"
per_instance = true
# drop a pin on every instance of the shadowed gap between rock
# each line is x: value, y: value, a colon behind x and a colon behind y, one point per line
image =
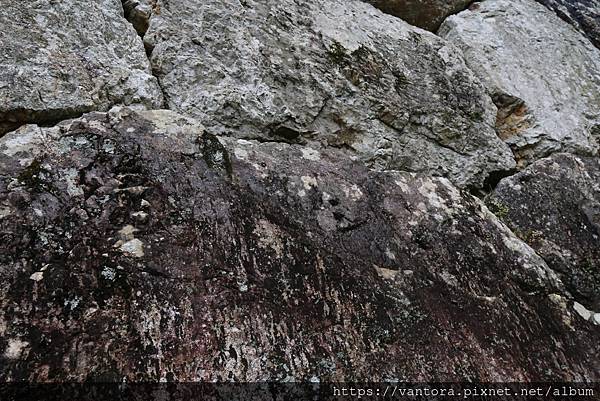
x: 44, y: 119
x: 139, y: 16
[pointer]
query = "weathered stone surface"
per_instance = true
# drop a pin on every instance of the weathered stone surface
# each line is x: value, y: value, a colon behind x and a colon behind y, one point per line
x: 138, y: 246
x: 542, y: 73
x: 554, y: 205
x: 59, y: 59
x: 426, y: 14
x: 337, y: 73
x: 583, y: 14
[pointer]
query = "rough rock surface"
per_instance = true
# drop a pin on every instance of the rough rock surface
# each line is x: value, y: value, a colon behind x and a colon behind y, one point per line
x: 554, y: 205
x: 542, y: 73
x: 137, y: 245
x: 426, y: 14
x: 59, y: 59
x: 339, y: 73
x: 583, y: 14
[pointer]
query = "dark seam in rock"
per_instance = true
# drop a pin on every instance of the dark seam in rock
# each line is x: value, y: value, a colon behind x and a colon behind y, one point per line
x: 435, y: 32
x: 127, y: 14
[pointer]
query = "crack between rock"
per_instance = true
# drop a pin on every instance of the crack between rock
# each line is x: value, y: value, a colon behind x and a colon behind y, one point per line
x: 41, y: 120
x: 436, y: 32
x: 140, y: 21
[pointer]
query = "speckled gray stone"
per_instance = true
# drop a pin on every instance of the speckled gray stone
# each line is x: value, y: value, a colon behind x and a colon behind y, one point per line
x: 328, y: 73
x: 60, y: 59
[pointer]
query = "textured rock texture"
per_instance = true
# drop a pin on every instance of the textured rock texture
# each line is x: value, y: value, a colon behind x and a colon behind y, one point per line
x: 583, y: 14
x: 335, y: 73
x: 426, y: 14
x: 542, y: 73
x: 139, y: 246
x: 554, y: 205
x: 60, y: 59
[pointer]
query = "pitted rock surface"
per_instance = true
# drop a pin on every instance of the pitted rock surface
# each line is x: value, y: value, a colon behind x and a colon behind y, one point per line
x: 554, y: 205
x: 59, y: 59
x: 543, y: 74
x: 335, y: 73
x: 426, y: 14
x: 138, y: 246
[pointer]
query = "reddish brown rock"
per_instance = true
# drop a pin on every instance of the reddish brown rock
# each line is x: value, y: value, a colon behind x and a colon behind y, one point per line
x: 139, y: 247
x: 426, y: 14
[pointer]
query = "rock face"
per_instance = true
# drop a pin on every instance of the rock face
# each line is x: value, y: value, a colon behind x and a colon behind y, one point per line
x: 426, y: 14
x: 139, y: 246
x: 335, y: 73
x: 543, y: 75
x: 583, y: 14
x: 554, y: 205
x: 60, y: 59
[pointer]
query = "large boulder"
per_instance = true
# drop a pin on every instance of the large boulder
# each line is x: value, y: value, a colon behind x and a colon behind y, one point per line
x: 334, y: 73
x: 554, y: 205
x: 541, y: 72
x: 59, y: 59
x: 426, y: 14
x: 583, y: 14
x: 137, y: 246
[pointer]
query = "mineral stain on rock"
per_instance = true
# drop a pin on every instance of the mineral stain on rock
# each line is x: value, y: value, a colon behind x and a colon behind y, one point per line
x: 305, y: 210
x: 264, y: 269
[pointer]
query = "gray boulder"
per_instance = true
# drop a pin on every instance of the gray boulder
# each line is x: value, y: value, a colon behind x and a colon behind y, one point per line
x: 554, y: 205
x: 543, y: 75
x: 60, y: 59
x: 583, y: 14
x: 426, y: 14
x: 137, y: 246
x: 327, y: 73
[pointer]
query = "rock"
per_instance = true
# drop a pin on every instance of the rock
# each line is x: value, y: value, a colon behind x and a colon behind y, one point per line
x: 554, y: 205
x: 582, y: 311
x: 61, y: 59
x: 541, y: 72
x: 261, y: 261
x: 428, y: 14
x: 328, y: 73
x: 582, y: 14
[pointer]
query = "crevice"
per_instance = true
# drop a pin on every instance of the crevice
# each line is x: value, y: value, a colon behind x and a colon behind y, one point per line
x: 321, y: 110
x: 513, y: 115
x: 471, y: 5
x: 491, y: 182
x: 139, y: 14
x: 15, y: 119
x: 512, y: 118
x: 165, y: 102
x: 259, y: 139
